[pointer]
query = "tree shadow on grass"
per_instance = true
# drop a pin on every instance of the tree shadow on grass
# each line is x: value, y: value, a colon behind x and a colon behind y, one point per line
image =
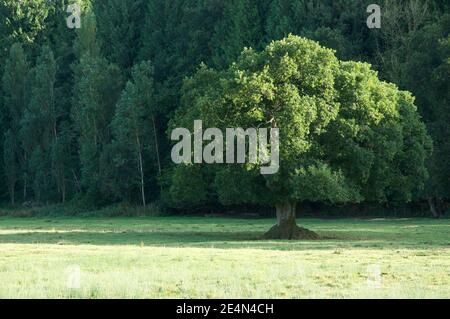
x: 123, y: 237
x: 201, y: 239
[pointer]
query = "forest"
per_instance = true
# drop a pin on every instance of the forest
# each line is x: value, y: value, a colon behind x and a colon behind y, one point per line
x: 86, y: 113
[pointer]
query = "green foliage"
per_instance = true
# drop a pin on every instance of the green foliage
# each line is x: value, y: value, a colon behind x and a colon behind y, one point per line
x: 86, y: 41
x: 62, y: 160
x: 14, y: 99
x: 22, y: 21
x: 239, y: 27
x: 132, y: 132
x: 97, y: 89
x: 335, y: 24
x: 38, y: 131
x: 239, y: 185
x: 13, y: 85
x: 119, y: 26
x: 39, y: 170
x: 318, y: 183
x: 10, y: 162
x: 188, y: 187
x: 345, y: 136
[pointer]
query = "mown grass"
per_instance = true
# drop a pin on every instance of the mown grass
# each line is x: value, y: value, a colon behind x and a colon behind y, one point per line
x: 172, y: 257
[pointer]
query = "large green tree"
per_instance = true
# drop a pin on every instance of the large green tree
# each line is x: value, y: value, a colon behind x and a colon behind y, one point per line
x: 344, y: 135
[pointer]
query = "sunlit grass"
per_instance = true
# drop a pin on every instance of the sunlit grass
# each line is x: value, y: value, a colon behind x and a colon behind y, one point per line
x: 222, y: 258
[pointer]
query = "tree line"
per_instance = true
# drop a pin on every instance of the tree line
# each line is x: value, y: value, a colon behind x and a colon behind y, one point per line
x: 85, y: 113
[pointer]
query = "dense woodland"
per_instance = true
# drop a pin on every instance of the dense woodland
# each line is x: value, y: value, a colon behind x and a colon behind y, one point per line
x: 85, y: 113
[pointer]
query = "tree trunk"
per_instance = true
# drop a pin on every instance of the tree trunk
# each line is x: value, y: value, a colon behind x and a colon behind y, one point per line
x: 155, y: 134
x: 25, y: 179
x: 63, y: 191
x: 141, y: 171
x: 440, y: 205
x: 286, y: 227
x: 77, y: 182
x: 12, y: 194
x: 141, y: 168
x: 433, y: 210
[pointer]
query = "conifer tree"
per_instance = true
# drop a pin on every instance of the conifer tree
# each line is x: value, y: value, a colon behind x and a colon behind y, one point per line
x: 119, y: 26
x: 239, y: 27
x: 97, y: 88
x: 14, y: 93
x: 39, y: 124
x: 135, y: 132
x: 10, y: 162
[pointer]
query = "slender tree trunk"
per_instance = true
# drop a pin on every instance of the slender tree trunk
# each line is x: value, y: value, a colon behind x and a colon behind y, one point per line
x: 286, y: 227
x: 12, y: 194
x: 141, y: 170
x: 156, y: 146
x: 55, y: 134
x: 142, y: 179
x: 25, y: 178
x: 77, y: 182
x: 433, y: 210
x: 63, y: 191
x: 440, y: 205
x: 59, y: 173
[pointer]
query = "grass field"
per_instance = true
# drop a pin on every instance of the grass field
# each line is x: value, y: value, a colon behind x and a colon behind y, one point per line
x: 168, y: 257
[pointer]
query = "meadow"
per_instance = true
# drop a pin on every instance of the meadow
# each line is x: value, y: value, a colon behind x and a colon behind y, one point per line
x: 210, y: 257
